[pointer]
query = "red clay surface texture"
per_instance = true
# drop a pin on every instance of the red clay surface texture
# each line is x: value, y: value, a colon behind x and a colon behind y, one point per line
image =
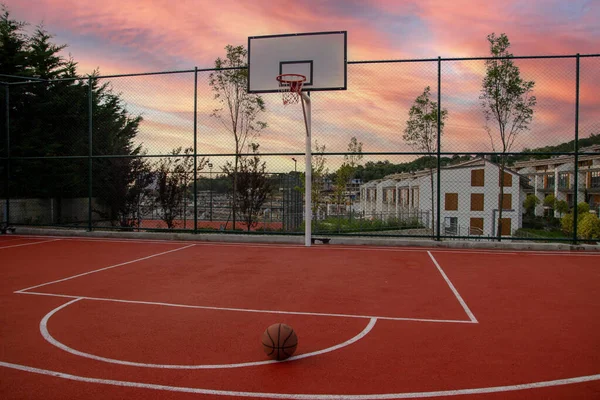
x: 154, y: 316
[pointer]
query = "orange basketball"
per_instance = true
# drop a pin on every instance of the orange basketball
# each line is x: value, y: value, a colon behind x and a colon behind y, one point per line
x: 279, y: 341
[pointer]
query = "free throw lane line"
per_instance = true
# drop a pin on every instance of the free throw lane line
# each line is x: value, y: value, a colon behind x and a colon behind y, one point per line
x: 458, y: 297
x: 251, y: 310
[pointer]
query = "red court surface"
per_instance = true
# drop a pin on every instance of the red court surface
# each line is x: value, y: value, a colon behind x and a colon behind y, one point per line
x: 125, y: 319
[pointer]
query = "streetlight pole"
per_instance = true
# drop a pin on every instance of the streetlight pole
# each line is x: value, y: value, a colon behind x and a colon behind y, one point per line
x: 210, y: 166
x: 294, y: 164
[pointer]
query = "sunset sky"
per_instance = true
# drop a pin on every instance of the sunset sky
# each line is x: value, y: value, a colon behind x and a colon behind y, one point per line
x: 128, y: 36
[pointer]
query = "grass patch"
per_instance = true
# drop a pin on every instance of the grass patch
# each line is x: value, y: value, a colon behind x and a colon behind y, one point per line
x: 350, y: 225
x: 541, y: 233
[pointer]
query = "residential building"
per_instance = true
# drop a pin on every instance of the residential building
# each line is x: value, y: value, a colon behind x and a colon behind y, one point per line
x: 556, y: 176
x: 469, y: 198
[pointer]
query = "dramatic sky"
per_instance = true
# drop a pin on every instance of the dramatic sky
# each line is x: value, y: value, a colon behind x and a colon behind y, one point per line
x: 130, y: 36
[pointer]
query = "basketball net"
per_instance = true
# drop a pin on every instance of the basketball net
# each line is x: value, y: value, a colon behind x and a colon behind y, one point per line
x: 290, y: 87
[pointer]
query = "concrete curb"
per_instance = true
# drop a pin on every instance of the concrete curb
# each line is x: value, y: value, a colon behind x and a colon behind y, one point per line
x: 299, y: 240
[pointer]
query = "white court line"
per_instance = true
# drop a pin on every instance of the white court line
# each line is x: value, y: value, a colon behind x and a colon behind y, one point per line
x: 46, y: 334
x: 291, y: 396
x: 249, y: 310
x: 28, y: 244
x: 104, y: 269
x: 460, y: 299
x: 338, y: 247
x: 282, y: 246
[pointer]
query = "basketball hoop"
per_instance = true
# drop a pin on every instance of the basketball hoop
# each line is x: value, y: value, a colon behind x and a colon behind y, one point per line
x: 290, y: 87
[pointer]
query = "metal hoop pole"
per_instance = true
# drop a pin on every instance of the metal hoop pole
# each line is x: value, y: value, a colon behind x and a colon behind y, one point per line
x: 308, y: 171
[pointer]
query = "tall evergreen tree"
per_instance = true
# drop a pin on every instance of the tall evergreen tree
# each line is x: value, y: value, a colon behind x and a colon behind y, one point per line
x: 49, y: 111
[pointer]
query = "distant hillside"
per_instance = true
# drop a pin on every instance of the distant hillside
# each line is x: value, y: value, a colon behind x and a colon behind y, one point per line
x: 567, y: 147
x: 377, y: 170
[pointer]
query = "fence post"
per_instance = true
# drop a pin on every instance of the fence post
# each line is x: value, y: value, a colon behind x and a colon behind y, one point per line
x: 439, y: 144
x: 576, y: 158
x: 90, y: 152
x: 195, y: 149
x: 7, y: 216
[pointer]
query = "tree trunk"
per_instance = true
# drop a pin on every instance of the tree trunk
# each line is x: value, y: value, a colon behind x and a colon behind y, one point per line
x: 234, y: 195
x: 502, y: 166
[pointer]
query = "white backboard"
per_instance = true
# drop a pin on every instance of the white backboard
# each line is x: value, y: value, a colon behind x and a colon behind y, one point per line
x: 320, y: 56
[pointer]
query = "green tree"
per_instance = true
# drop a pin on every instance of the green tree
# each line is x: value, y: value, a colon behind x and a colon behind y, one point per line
x: 319, y: 173
x: 347, y: 170
x: 13, y: 46
x: 507, y: 101
x: 549, y: 203
x: 254, y: 185
x: 421, y: 133
x: 174, y: 175
x: 239, y: 110
x: 562, y: 207
x: 530, y: 203
x: 49, y: 113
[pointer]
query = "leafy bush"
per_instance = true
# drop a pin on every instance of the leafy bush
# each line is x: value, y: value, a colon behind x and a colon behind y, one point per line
x: 588, y: 224
x: 562, y: 207
x: 530, y: 203
x: 583, y: 208
x: 588, y: 227
x: 566, y: 223
x: 549, y: 201
x: 531, y: 221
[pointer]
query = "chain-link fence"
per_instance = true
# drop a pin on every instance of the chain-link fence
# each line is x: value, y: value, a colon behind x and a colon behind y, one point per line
x: 159, y: 151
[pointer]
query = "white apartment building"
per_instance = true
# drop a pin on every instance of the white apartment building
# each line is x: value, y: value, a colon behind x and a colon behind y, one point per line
x: 556, y: 176
x: 469, y: 194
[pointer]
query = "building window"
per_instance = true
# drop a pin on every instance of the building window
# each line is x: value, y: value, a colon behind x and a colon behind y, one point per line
x: 507, y: 179
x: 389, y: 195
x: 450, y: 225
x: 476, y: 226
x: 477, y: 177
x: 476, y: 201
x: 404, y: 197
x: 507, y: 201
x: 595, y: 179
x: 564, y: 180
x: 372, y: 194
x: 550, y: 181
x: 451, y: 202
x: 414, y: 200
x: 586, y: 163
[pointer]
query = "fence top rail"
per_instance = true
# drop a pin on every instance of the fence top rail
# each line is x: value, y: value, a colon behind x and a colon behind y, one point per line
x: 558, y: 56
x: 30, y: 80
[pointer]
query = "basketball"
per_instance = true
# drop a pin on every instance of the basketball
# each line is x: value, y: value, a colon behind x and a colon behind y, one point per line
x: 279, y: 341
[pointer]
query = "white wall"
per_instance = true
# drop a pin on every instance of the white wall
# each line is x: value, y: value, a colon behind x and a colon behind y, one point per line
x: 458, y: 180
